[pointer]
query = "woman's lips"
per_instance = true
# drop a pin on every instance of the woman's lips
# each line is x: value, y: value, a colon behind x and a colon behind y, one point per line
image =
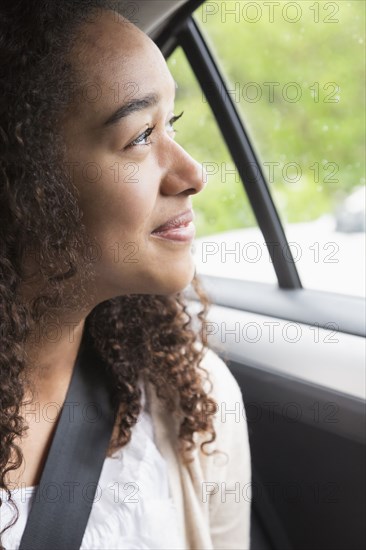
x: 183, y: 233
x: 179, y: 228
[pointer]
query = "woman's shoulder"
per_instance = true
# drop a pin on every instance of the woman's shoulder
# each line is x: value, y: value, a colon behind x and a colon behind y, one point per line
x: 230, y: 471
x: 229, y: 420
x: 229, y: 417
x: 224, y: 384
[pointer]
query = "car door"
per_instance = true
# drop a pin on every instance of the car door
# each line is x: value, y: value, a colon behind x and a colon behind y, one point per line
x: 273, y: 108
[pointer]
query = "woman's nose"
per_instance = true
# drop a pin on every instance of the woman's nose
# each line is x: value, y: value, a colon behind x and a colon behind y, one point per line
x: 184, y: 174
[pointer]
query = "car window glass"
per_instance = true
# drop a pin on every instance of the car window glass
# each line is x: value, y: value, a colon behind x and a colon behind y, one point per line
x: 296, y: 72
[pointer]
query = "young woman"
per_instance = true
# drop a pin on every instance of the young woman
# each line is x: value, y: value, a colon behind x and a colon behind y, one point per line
x: 95, y: 242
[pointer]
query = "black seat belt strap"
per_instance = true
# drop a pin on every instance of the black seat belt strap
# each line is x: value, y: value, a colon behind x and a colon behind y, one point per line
x: 66, y: 491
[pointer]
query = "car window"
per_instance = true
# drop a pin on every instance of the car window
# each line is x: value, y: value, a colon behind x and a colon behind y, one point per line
x: 228, y: 241
x: 296, y: 71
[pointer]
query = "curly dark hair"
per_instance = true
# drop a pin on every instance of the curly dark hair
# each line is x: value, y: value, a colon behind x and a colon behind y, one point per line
x: 42, y: 224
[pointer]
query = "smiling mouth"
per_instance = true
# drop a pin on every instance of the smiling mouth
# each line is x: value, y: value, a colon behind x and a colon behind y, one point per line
x: 185, y: 232
x: 178, y: 221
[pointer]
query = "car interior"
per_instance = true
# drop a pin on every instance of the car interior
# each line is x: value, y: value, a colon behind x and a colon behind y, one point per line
x: 304, y: 396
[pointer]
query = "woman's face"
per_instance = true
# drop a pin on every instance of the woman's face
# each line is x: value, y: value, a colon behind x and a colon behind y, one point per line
x: 130, y: 181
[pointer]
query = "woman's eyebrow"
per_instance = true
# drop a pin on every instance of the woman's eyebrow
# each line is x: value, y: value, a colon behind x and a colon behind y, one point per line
x: 131, y: 107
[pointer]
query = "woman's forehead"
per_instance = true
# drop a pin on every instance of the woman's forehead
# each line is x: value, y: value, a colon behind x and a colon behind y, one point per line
x: 116, y: 63
x: 112, y: 49
x: 110, y: 38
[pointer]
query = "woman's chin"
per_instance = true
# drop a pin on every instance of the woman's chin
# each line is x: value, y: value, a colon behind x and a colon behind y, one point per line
x: 176, y: 281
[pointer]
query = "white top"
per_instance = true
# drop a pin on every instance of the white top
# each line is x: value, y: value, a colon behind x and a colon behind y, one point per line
x: 132, y: 508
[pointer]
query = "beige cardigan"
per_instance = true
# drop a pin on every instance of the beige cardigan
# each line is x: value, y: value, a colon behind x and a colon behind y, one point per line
x: 212, y: 495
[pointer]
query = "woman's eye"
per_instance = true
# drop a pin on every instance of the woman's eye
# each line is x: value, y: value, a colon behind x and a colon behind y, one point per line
x: 142, y: 138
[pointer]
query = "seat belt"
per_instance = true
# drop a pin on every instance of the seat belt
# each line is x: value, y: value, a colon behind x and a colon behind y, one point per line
x: 64, y: 497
